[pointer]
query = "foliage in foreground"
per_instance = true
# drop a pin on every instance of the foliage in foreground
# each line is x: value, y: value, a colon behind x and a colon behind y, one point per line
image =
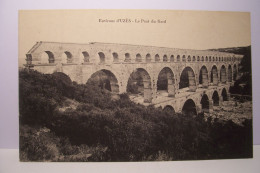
x: 99, y: 128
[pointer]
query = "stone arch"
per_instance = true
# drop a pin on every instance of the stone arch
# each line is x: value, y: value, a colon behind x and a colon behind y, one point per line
x: 224, y: 94
x: 189, y: 58
x: 213, y: 58
x: 178, y: 58
x: 209, y: 58
x: 166, y: 82
x: 235, y: 72
x: 206, y: 59
x: 169, y: 109
x: 105, y: 79
x: 157, y: 58
x: 148, y: 58
x: 115, y: 57
x: 127, y: 57
x: 67, y: 57
x: 193, y: 58
x: 189, y: 108
x: 214, y: 75
x: 138, y: 58
x: 229, y: 73
x: 85, y: 56
x: 187, y: 79
x: 215, y: 98
x: 102, y: 58
x: 47, y: 57
x: 172, y: 58
x: 165, y: 58
x: 223, y: 77
x: 183, y: 58
x: 198, y: 58
x: 203, y: 77
x: 139, y: 81
x: 205, y: 103
x: 202, y: 58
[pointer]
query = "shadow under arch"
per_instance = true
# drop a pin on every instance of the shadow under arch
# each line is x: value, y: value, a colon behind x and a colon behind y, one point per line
x: 214, y: 75
x: 215, y: 98
x: 189, y: 108
x: 205, y: 103
x: 67, y: 57
x: 86, y: 57
x: 102, y: 57
x: 223, y: 74
x: 203, y: 77
x: 139, y: 82
x: 104, y: 79
x: 166, y: 82
x: 47, y: 57
x: 148, y: 58
x: 187, y: 79
x: 224, y: 94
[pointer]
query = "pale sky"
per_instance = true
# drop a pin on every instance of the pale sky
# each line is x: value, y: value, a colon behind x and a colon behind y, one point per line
x: 183, y: 29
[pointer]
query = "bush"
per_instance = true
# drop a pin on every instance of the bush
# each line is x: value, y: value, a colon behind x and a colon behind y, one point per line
x: 102, y: 129
x: 38, y: 144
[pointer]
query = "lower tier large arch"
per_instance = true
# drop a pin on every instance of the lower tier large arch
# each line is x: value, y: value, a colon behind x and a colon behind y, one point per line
x: 105, y: 79
x: 139, y: 82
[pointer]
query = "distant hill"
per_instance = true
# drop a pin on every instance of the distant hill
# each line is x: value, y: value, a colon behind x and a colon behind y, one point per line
x: 236, y: 50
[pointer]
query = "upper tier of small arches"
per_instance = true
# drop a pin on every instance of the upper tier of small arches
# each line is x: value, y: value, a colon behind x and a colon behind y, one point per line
x: 105, y: 53
x: 114, y: 57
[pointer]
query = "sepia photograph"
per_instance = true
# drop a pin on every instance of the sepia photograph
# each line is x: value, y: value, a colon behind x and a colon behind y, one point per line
x: 134, y: 85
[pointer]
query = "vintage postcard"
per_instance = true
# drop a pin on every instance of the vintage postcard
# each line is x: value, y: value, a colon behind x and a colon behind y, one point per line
x: 134, y: 85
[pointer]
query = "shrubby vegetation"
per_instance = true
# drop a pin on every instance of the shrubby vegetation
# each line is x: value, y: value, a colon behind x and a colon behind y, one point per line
x: 61, y: 120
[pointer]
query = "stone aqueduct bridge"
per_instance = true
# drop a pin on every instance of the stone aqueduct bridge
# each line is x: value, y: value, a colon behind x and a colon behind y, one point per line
x: 209, y: 73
